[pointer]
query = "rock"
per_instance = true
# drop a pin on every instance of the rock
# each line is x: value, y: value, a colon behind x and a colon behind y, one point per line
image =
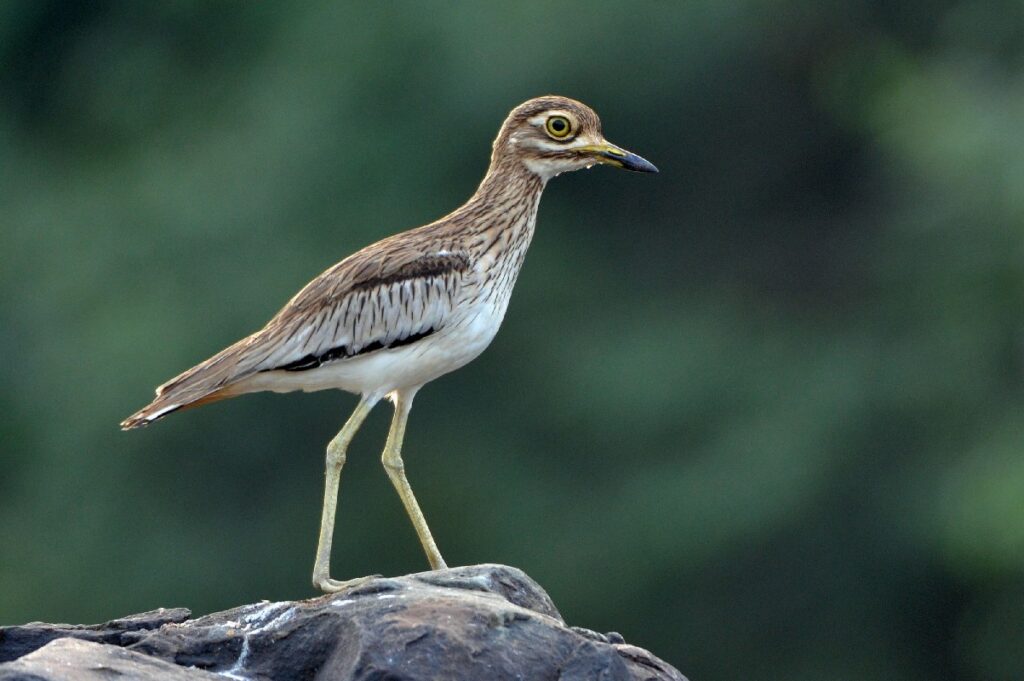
x: 18, y: 641
x: 478, y: 623
x: 69, y: 658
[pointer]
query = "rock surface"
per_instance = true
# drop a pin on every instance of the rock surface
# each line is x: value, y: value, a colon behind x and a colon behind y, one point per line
x: 478, y: 623
x: 70, y: 658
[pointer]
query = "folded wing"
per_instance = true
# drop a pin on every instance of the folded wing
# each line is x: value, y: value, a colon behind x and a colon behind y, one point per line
x: 365, y: 303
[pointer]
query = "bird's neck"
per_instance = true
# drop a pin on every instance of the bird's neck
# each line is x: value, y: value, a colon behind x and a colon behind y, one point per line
x: 505, y: 202
x: 509, y: 176
x: 498, y: 223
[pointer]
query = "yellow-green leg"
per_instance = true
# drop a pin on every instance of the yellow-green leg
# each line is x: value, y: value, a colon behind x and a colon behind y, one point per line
x: 395, y: 468
x: 336, y: 452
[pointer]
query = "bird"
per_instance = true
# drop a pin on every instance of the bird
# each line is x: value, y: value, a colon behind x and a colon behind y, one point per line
x: 408, y: 309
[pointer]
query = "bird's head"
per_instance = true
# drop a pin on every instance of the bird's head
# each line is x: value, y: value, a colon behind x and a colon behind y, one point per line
x: 552, y: 135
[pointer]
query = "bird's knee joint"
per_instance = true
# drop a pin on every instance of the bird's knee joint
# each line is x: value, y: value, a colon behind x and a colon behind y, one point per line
x: 396, y: 465
x: 336, y: 455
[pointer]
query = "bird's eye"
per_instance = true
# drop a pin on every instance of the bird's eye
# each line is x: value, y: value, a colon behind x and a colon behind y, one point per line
x: 558, y: 127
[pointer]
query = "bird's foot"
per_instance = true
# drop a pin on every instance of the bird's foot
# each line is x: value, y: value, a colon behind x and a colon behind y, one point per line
x: 333, y: 586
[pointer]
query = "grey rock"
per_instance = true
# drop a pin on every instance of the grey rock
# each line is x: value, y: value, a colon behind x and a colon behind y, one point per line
x: 478, y: 623
x: 69, y: 658
x: 23, y: 639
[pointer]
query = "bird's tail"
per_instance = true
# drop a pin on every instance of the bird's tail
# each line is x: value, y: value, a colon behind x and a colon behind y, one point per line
x: 209, y: 381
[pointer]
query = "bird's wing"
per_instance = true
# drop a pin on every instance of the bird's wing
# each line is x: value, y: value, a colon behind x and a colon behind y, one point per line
x: 360, y: 305
x: 387, y: 295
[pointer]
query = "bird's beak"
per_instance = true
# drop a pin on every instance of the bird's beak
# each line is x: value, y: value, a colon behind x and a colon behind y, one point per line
x: 608, y: 153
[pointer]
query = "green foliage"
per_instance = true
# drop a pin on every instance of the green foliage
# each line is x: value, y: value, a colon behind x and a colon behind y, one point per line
x: 767, y: 407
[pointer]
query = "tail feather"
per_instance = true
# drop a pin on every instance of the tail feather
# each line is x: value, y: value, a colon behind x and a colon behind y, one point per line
x: 206, y: 382
x: 160, y: 407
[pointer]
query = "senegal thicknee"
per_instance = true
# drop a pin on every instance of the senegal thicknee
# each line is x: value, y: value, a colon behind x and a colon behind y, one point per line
x: 399, y: 313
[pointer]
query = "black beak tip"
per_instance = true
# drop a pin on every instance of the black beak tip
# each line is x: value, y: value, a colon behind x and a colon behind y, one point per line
x: 638, y: 164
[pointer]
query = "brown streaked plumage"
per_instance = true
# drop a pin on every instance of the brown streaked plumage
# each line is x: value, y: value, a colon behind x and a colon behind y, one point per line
x: 401, y: 312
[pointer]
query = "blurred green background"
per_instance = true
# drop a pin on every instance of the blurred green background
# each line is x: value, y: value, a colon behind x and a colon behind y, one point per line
x: 762, y: 413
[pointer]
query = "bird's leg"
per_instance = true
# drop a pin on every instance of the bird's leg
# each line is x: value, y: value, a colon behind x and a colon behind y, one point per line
x: 395, y: 468
x: 332, y: 477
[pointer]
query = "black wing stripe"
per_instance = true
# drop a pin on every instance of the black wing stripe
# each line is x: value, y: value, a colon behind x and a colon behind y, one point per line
x: 427, y: 267
x: 342, y: 352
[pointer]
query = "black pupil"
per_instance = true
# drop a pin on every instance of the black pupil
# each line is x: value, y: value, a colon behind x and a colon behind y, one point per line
x: 558, y: 125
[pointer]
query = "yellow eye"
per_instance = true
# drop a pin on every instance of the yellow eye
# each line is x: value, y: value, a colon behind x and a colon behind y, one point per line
x: 558, y: 127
